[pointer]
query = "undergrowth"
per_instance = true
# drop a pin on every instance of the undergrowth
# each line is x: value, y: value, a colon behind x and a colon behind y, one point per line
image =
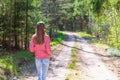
x: 10, y: 63
x: 114, y: 51
x: 58, y: 37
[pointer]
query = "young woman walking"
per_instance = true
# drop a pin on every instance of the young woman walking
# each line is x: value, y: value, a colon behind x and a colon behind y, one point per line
x: 40, y: 46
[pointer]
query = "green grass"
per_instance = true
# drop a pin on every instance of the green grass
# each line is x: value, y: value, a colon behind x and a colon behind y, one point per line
x: 10, y: 63
x: 73, y: 75
x: 113, y: 51
x: 87, y: 36
x: 72, y: 63
x: 57, y: 38
x: 91, y: 39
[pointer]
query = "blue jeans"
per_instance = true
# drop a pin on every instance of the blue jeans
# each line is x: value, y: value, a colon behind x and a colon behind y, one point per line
x: 42, y: 65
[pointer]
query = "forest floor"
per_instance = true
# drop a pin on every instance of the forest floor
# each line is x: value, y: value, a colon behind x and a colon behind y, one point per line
x: 93, y: 62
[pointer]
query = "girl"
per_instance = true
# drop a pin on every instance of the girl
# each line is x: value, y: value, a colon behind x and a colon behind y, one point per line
x: 40, y: 45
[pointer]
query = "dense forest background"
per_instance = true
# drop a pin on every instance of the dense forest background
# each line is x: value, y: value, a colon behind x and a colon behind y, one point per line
x: 18, y: 19
x: 98, y: 17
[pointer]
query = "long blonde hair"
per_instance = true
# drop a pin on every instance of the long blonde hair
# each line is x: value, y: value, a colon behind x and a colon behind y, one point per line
x: 40, y: 32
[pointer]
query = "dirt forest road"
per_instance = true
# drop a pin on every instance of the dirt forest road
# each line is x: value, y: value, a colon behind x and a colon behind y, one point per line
x: 89, y: 64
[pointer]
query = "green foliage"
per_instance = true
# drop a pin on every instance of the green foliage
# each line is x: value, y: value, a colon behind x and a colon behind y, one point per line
x: 23, y: 17
x: 87, y: 36
x: 97, y: 6
x: 7, y: 63
x: 22, y: 56
x: 57, y: 38
x: 104, y: 21
x: 77, y: 9
x: 11, y: 63
x: 80, y: 8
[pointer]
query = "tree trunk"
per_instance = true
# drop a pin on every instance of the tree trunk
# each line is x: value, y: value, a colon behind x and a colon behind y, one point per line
x: 50, y: 11
x: 26, y: 38
x: 16, y: 13
x: 10, y: 29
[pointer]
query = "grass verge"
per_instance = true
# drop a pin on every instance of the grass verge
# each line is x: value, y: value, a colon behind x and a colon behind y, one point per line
x: 72, y: 63
x: 113, y: 51
x: 73, y: 74
x: 10, y: 63
x: 58, y: 37
x: 87, y: 36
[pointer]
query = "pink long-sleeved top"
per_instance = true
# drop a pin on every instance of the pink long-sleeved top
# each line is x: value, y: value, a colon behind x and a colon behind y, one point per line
x: 40, y: 50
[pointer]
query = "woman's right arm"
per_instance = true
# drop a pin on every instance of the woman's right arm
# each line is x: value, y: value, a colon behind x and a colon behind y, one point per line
x: 48, y: 48
x: 32, y: 45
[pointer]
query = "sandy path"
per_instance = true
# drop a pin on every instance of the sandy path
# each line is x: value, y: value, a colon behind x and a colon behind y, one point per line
x: 61, y: 57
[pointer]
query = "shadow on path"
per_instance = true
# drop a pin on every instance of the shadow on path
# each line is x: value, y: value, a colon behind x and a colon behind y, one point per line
x: 87, y: 51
